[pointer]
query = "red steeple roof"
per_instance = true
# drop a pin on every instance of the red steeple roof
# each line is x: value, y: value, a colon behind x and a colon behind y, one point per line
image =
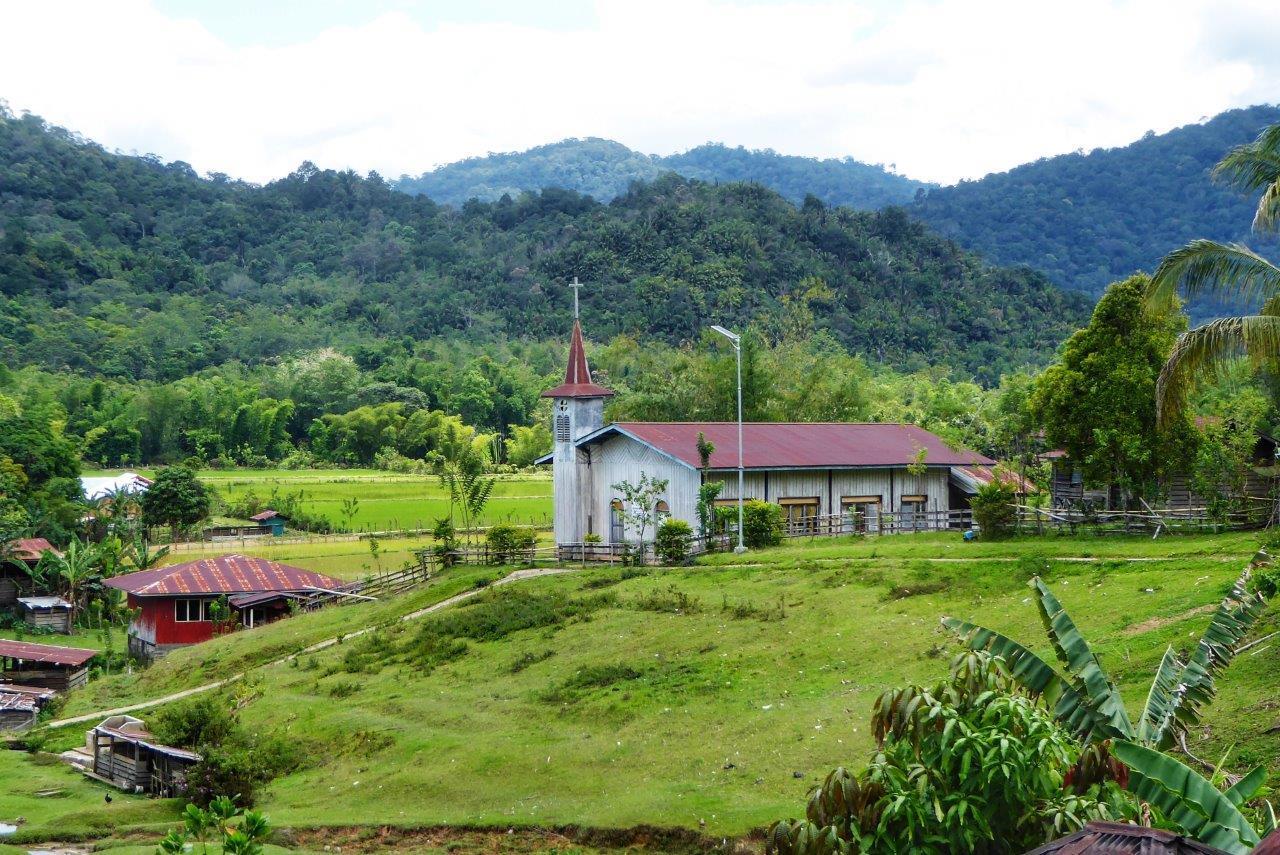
x: 577, y: 377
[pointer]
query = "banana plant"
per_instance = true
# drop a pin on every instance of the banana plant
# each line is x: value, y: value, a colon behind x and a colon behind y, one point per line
x: 1189, y: 800
x: 1085, y: 699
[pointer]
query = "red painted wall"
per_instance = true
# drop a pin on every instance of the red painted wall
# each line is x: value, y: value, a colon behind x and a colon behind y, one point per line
x: 157, y: 624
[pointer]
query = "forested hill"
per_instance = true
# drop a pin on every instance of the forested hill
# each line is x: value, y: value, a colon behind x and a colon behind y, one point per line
x: 1086, y: 220
x: 133, y: 268
x: 604, y: 169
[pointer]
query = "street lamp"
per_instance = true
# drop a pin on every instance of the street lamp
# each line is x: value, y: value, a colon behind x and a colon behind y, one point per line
x: 736, y: 340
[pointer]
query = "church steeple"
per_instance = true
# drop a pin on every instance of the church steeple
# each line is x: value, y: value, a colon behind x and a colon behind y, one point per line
x: 577, y: 376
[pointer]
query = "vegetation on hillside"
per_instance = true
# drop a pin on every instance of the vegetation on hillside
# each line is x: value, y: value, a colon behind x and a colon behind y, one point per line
x: 604, y: 169
x: 1088, y: 219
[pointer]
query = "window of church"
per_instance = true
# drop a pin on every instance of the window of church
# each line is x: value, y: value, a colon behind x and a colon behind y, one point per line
x: 562, y: 429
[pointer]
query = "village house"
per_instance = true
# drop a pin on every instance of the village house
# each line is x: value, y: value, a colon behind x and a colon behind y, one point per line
x: 176, y: 603
x: 51, y: 613
x: 19, y: 705
x: 14, y: 581
x: 98, y: 487
x: 828, y: 478
x: 44, y: 665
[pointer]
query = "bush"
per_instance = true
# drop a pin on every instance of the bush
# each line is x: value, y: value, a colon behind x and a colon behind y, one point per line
x: 993, y: 509
x: 672, y: 542
x: 762, y: 524
x: 446, y: 538
x: 508, y: 542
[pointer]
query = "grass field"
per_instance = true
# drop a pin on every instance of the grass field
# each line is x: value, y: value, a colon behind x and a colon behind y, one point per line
x: 387, y: 500
x: 717, y: 693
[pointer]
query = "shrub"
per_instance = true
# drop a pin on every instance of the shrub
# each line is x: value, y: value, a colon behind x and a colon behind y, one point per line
x: 593, y: 537
x: 446, y: 538
x: 762, y: 524
x: 508, y: 542
x: 993, y: 509
x: 672, y: 543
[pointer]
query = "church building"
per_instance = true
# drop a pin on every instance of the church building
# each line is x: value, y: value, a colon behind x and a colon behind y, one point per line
x: 828, y: 477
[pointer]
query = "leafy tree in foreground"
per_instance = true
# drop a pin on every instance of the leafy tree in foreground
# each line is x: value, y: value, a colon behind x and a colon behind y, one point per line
x: 1228, y: 269
x: 177, y: 498
x: 217, y: 822
x: 975, y: 764
x: 1092, y: 401
x: 640, y: 503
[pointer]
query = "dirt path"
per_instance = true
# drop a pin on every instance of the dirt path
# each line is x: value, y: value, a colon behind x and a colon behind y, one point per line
x: 514, y: 576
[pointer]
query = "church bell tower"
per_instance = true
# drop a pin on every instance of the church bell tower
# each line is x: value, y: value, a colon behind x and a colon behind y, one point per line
x: 577, y: 409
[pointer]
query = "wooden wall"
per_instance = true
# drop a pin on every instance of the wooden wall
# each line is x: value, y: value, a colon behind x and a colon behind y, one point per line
x: 621, y: 458
x: 830, y: 485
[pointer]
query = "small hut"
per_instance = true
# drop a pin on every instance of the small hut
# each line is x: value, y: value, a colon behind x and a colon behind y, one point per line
x: 51, y: 613
x: 13, y: 580
x: 19, y: 705
x: 271, y: 520
x: 44, y: 665
x: 126, y: 755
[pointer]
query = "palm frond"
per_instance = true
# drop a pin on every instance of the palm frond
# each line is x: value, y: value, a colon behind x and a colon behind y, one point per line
x: 1072, y: 709
x: 1161, y: 702
x: 1087, y: 676
x: 1200, y: 349
x: 1247, y: 787
x: 1207, y: 266
x: 1254, y: 166
x: 1268, y: 213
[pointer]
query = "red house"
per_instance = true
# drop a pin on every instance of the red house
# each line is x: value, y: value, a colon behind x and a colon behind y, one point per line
x: 176, y: 603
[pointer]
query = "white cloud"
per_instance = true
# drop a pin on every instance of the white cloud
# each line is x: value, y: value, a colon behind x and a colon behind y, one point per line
x: 945, y: 89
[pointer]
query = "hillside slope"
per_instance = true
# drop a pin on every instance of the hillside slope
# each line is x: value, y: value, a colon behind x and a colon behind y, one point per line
x: 132, y: 268
x: 1086, y: 220
x: 717, y: 694
x: 604, y: 169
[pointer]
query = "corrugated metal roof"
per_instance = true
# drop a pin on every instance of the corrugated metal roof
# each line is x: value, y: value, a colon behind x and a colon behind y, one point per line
x: 577, y: 376
x: 265, y: 515
x: 144, y: 738
x: 971, y: 478
x: 98, y: 487
x: 31, y: 548
x: 793, y: 445
x: 1114, y: 838
x: 29, y: 652
x: 44, y: 602
x: 225, y: 574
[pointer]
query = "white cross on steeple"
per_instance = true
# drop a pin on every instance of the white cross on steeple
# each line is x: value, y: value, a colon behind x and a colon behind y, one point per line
x: 575, y: 285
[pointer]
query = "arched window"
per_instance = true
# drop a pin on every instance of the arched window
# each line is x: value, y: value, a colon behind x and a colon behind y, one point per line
x: 616, y: 526
x: 661, y: 511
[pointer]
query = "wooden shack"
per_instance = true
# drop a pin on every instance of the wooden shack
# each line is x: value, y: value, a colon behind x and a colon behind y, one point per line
x: 271, y: 521
x: 14, y: 581
x: 19, y: 705
x: 44, y: 665
x: 126, y: 755
x: 51, y: 613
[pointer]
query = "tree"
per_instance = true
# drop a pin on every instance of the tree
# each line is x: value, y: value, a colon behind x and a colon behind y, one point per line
x: 1087, y: 701
x: 640, y: 502
x: 218, y: 821
x: 176, y: 498
x: 527, y: 444
x: 469, y: 491
x: 78, y: 563
x: 1093, y: 400
x: 974, y: 764
x: 993, y: 508
x: 1226, y: 269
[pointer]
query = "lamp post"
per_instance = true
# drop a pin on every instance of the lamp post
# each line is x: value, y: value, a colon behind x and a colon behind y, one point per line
x: 736, y: 340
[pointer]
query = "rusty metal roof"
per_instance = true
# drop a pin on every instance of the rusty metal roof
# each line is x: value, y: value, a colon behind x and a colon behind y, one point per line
x: 139, y: 736
x: 31, y: 548
x: 265, y: 515
x: 577, y: 376
x: 29, y: 652
x: 795, y: 445
x: 971, y: 478
x: 225, y: 574
x: 1115, y: 838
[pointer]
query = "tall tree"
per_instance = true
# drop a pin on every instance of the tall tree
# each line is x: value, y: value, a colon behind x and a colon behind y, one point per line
x: 177, y: 498
x: 1098, y: 400
x: 1228, y: 269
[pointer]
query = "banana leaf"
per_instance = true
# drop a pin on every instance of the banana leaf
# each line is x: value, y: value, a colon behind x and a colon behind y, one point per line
x: 1186, y: 798
x: 1247, y: 787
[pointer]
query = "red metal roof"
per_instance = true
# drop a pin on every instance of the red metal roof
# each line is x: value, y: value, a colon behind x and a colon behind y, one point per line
x: 265, y: 515
x: 983, y: 475
x: 29, y: 652
x: 783, y: 445
x: 31, y: 548
x: 225, y: 574
x: 577, y: 376
x: 1115, y: 838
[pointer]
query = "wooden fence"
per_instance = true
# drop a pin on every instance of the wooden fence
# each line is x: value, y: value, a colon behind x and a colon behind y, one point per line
x: 1149, y: 519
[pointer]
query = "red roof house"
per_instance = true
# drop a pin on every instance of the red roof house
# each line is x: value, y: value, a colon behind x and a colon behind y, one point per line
x: 175, y: 603
x: 14, y: 581
x: 44, y: 665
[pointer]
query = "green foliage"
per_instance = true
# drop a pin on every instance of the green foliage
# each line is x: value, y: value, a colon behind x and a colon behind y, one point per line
x: 527, y: 444
x: 993, y: 509
x: 971, y: 765
x: 1086, y: 700
x: 672, y: 541
x: 1087, y: 219
x: 763, y: 524
x: 1098, y: 401
x: 508, y: 543
x: 176, y: 498
x: 217, y: 822
x: 640, y: 502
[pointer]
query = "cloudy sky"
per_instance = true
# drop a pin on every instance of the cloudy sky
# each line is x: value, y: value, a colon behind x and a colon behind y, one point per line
x: 941, y: 89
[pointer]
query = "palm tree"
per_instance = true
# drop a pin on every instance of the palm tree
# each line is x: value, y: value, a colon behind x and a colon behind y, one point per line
x: 1228, y: 269
x: 78, y: 563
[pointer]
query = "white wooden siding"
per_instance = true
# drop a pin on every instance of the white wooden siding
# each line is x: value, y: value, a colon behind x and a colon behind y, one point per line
x: 621, y: 458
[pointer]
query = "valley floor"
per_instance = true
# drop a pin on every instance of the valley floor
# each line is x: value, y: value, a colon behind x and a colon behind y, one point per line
x: 707, y: 698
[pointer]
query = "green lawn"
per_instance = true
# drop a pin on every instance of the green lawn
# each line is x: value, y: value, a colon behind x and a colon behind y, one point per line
x: 387, y: 500
x: 718, y: 693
